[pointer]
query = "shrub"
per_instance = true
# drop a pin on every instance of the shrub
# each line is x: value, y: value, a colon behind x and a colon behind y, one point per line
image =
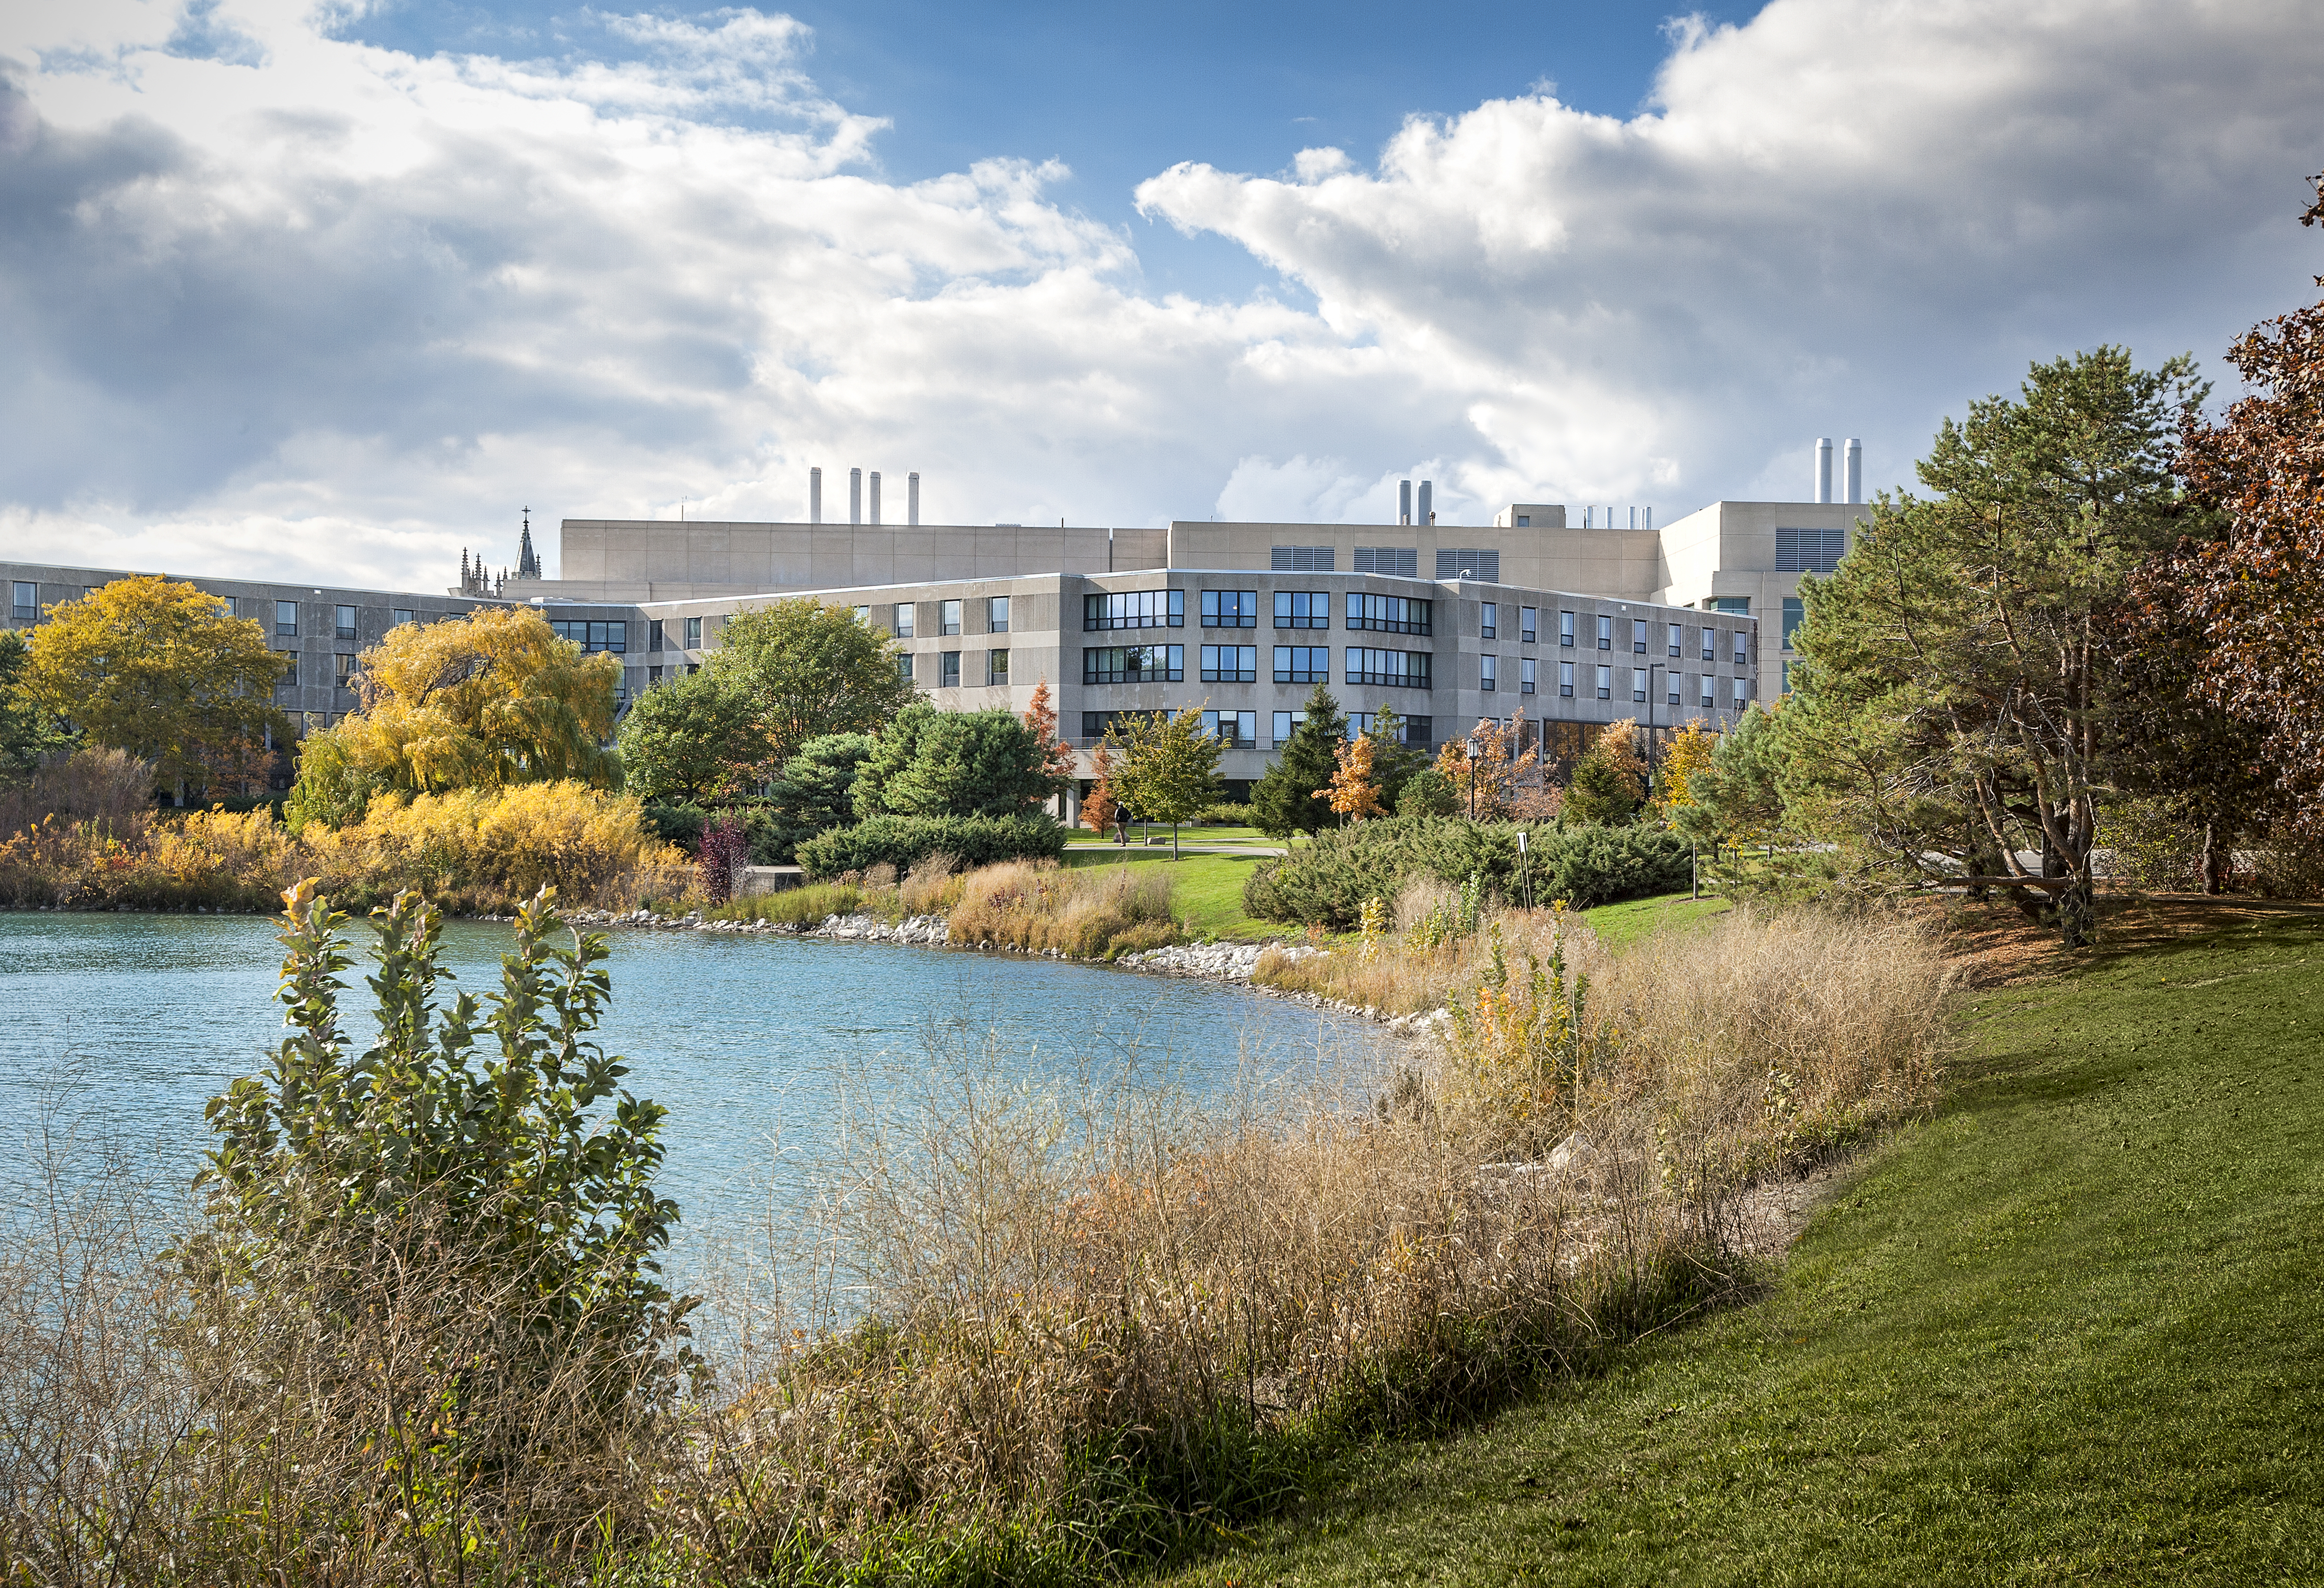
x: 1605, y: 865
x: 1326, y: 882
x: 1083, y: 912
x: 1226, y: 814
x: 676, y: 823
x: 904, y: 840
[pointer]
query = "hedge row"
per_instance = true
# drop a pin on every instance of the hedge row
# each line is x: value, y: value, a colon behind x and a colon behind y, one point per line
x: 1327, y: 881
x: 903, y: 841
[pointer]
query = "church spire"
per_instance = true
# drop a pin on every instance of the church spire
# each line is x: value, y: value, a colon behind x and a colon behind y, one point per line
x: 527, y: 563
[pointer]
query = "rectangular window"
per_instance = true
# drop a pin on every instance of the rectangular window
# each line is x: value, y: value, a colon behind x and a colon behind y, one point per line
x: 1134, y: 664
x: 1638, y: 684
x: 948, y: 616
x: 1742, y: 648
x: 996, y: 666
x: 1096, y: 724
x: 1605, y: 683
x: 404, y: 615
x: 1525, y: 675
x: 344, y: 628
x: 1809, y: 551
x: 1794, y: 609
x: 1238, y: 730
x: 1709, y: 690
x: 653, y: 675
x: 346, y: 660
x: 1488, y: 620
x: 1230, y: 609
x: 905, y: 613
x: 1230, y: 664
x: 1392, y: 669
x: 1488, y: 673
x: 862, y: 615
x: 24, y: 601
x: 1303, y: 609
x: 694, y: 633
x: 1709, y: 643
x: 654, y: 634
x: 286, y: 619
x: 1301, y: 559
x: 593, y: 636
x: 1302, y: 664
x: 1605, y: 633
x: 1401, y: 562
x: 1742, y: 693
x: 1565, y: 680
x: 1525, y: 618
x: 1469, y: 562
x: 1134, y: 609
x: 1286, y: 722
x: 1676, y: 633
x: 996, y: 615
x: 1672, y: 684
x: 903, y: 666
x: 290, y: 679
x: 1638, y: 635
x: 1739, y: 605
x: 1565, y: 628
x: 1388, y: 614
x: 948, y: 671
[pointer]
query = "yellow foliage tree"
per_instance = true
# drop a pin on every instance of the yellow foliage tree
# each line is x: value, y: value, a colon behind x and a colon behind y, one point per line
x: 160, y: 669
x: 1688, y: 757
x: 489, y: 699
x: 1351, y: 792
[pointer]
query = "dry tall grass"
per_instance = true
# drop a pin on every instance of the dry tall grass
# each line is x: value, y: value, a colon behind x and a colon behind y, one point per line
x: 1037, y: 906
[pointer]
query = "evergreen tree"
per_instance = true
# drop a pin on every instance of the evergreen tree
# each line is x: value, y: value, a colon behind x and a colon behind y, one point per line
x: 1393, y: 763
x: 691, y: 739
x: 931, y: 762
x: 1284, y: 800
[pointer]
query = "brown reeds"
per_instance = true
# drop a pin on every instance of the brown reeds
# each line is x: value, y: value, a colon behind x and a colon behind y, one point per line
x: 1083, y: 912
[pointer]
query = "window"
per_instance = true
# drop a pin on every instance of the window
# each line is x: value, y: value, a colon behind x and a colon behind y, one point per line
x: 1794, y: 609
x: 1399, y: 561
x: 654, y: 634
x: 1671, y: 690
x: 1488, y: 673
x: 1605, y: 683
x: 694, y: 633
x: 948, y: 671
x: 1302, y: 664
x: 1638, y: 635
x: 1301, y: 559
x: 1605, y: 633
x: 286, y: 619
x: 404, y: 615
x: 1390, y: 615
x: 1238, y: 730
x: 996, y: 666
x: 1303, y: 609
x: 1286, y: 722
x: 1742, y: 648
x: 948, y: 617
x: 1230, y: 609
x: 593, y: 636
x: 1740, y: 606
x: 1709, y: 643
x: 862, y: 615
x: 903, y: 666
x: 653, y: 674
x: 1231, y: 664
x: 1096, y: 724
x: 1787, y: 674
x: 1565, y: 628
x: 693, y: 668
x: 1525, y: 616
x: 1469, y: 562
x: 996, y: 615
x: 1709, y: 690
x: 901, y: 628
x: 1488, y: 620
x: 344, y: 627
x: 1742, y: 693
x: 24, y: 601
x: 1677, y: 636
x: 1415, y: 731
x: 1638, y: 683
x: 1809, y: 551
x: 1525, y: 675
x: 1565, y: 680
x: 1394, y: 669
x: 1134, y: 609
x: 1134, y: 664
x: 346, y: 662
x: 290, y: 679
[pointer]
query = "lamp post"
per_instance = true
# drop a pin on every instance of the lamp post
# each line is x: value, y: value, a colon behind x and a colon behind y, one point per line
x: 1469, y: 752
x: 1525, y: 869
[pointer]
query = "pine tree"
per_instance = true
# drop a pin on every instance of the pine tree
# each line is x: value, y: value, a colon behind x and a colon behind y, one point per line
x: 1284, y: 800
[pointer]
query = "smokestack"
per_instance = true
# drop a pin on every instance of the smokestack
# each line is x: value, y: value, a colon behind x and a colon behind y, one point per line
x: 1426, y: 512
x: 1823, y: 468
x: 1852, y: 469
x: 1403, y: 502
x: 815, y: 495
x: 875, y: 496
x: 912, y: 497
x: 854, y: 496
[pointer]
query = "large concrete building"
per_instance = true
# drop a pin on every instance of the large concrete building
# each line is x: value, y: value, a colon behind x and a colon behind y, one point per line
x: 1531, y: 618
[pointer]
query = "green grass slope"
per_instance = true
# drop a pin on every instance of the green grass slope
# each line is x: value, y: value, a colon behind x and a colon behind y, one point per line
x: 2071, y: 1330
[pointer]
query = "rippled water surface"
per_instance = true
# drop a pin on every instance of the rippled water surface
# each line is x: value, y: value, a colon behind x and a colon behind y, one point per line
x: 122, y: 1026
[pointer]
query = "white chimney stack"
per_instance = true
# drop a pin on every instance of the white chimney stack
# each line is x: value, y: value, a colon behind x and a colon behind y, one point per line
x: 1823, y: 468
x: 1426, y: 512
x: 1852, y: 469
x: 875, y: 496
x: 912, y: 497
x: 1403, y: 502
x: 854, y: 496
x: 815, y: 495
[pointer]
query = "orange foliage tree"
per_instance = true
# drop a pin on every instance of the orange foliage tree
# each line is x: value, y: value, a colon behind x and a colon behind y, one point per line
x: 1488, y: 783
x: 1351, y: 792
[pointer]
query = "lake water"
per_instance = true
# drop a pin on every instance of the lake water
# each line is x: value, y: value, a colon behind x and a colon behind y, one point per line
x: 120, y: 1026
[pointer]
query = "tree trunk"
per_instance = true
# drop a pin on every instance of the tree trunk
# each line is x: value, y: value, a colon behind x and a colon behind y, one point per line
x: 2212, y: 856
x: 2077, y: 911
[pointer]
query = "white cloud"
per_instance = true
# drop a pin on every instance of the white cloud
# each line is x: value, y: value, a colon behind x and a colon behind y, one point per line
x: 277, y: 299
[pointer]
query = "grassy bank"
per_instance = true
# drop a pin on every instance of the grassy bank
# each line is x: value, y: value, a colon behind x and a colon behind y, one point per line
x: 2065, y: 1330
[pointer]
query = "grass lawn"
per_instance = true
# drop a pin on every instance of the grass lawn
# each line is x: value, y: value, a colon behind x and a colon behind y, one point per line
x: 1082, y: 838
x: 1619, y: 924
x: 2067, y: 1331
x: 1207, y: 891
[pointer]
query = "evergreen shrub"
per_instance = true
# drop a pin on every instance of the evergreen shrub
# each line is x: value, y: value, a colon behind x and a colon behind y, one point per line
x: 1327, y: 881
x: 675, y: 824
x: 903, y: 841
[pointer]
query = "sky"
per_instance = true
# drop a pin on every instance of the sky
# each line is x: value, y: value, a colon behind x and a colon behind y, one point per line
x: 297, y: 290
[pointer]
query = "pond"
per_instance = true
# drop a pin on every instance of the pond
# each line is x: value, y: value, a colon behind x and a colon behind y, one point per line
x: 118, y: 1027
